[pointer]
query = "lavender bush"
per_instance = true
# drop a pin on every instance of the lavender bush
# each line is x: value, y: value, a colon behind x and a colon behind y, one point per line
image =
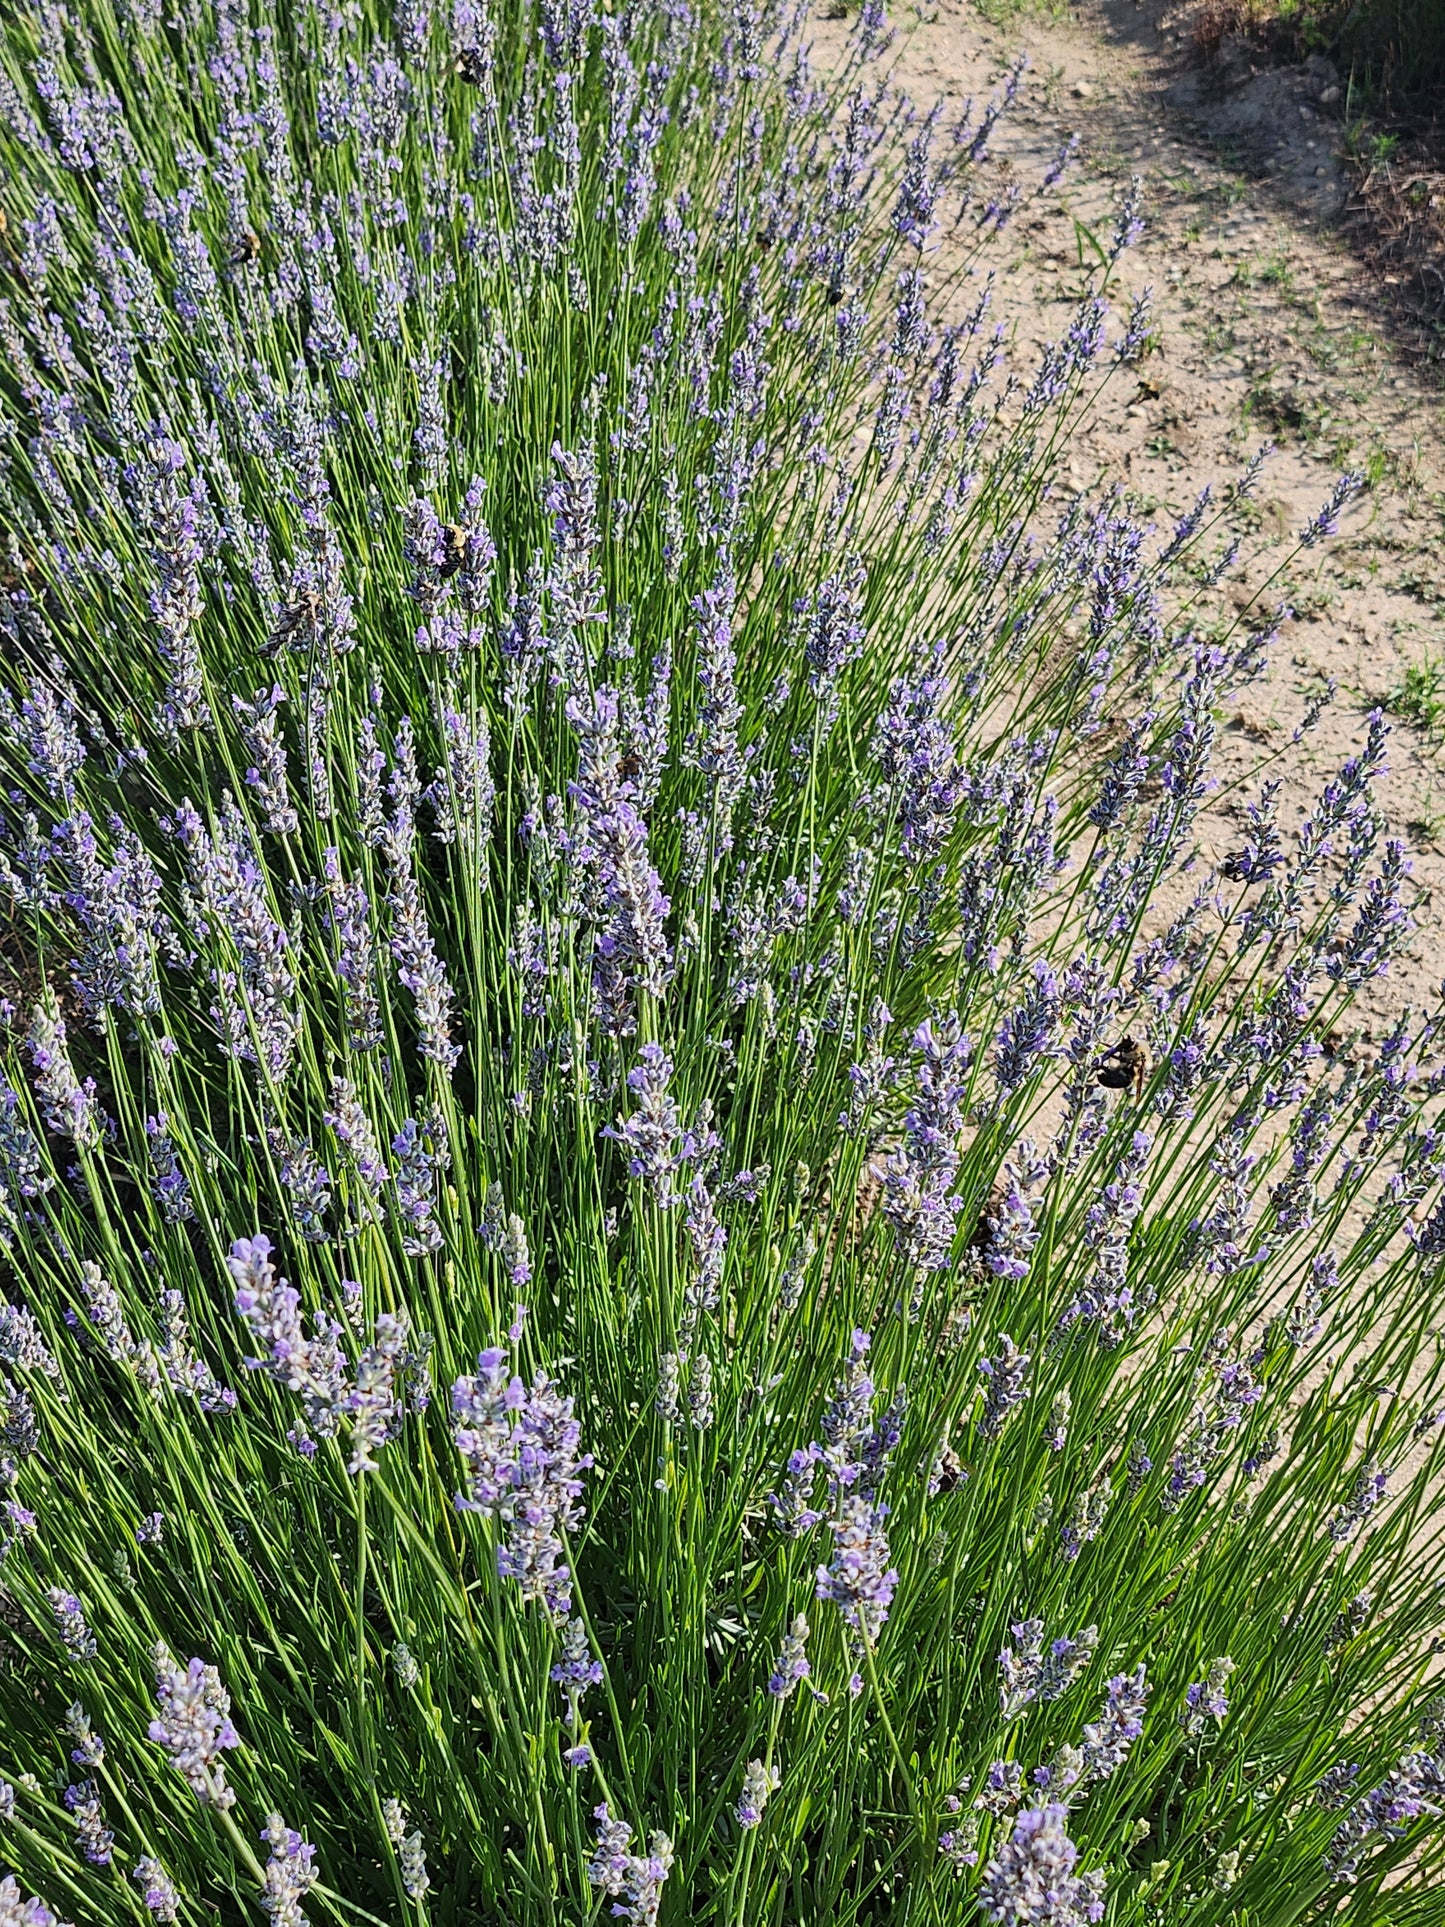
x: 640, y: 1280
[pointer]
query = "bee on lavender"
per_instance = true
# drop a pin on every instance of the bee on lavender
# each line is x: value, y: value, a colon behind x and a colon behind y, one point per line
x: 247, y: 250
x: 1124, y: 1068
x: 471, y: 68
x: 300, y: 614
x: 454, y: 540
x: 948, y: 1473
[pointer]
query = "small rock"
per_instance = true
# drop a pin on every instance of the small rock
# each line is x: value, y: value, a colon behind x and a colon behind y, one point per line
x: 1320, y: 172
x: 1329, y: 96
x: 1081, y: 90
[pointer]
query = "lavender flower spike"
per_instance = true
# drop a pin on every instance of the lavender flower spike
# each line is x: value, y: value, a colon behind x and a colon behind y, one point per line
x: 1032, y: 1879
x: 313, y: 1366
x: 195, y: 1726
x: 158, y: 1890
x: 520, y: 1450
x: 289, y: 1873
x: 860, y: 1581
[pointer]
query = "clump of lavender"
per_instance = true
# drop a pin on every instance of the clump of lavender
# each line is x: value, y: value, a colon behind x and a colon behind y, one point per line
x: 1032, y: 1876
x: 593, y: 960
x: 634, y: 1881
x: 520, y: 1450
x: 194, y: 1726
x: 289, y: 1873
x: 1206, y: 1699
x: 311, y: 1364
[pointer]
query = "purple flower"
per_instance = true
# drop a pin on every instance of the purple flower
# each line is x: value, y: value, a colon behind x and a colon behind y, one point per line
x: 256, y: 1014
x: 1026, y: 1038
x: 918, y: 1199
x: 69, y: 1106
x: 158, y: 1890
x: 70, y: 1623
x: 792, y: 1664
x: 1107, y: 1740
x: 195, y: 1726
x: 1004, y: 1385
x: 1032, y: 1878
x: 576, y: 1671
x: 261, y: 735
x: 311, y: 1365
x: 520, y: 1451
x: 634, y: 1880
x: 1327, y: 522
x: 760, y: 1782
x: 422, y: 1154
x: 92, y: 1836
x: 289, y: 1873
x: 355, y: 954
x: 653, y: 1133
x: 859, y: 1581
x: 22, y: 1913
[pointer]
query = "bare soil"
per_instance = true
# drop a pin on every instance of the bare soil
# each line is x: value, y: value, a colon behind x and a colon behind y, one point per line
x: 1270, y: 330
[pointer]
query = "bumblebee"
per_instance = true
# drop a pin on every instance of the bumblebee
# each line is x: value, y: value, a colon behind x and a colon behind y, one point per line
x: 302, y: 611
x: 247, y: 250
x: 947, y: 1471
x: 471, y: 68
x: 456, y: 550
x: 1124, y: 1068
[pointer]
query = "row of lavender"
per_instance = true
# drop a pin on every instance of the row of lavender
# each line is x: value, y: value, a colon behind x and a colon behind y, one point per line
x: 571, y: 792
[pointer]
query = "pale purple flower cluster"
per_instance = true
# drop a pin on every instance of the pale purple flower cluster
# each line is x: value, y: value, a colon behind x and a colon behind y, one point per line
x: 422, y: 1154
x: 1004, y: 1385
x: 1206, y: 1699
x: 622, y: 892
x: 1371, y: 1486
x: 792, y: 1665
x: 1414, y: 1787
x: 349, y: 910
x: 183, y: 1367
x: 859, y: 1581
x: 653, y: 1133
x: 760, y: 1782
x: 92, y: 1836
x: 1034, y: 1672
x: 22, y: 1343
x: 255, y: 1013
x: 69, y: 1106
x: 520, y: 1451
x: 917, y: 1179
x: 309, y: 1364
x: 172, y: 1186
x: 15, y: 1912
x: 158, y: 1890
x: 259, y: 722
x: 89, y: 1748
x: 289, y: 1876
x: 75, y: 1634
x: 1031, y: 1880
x: 634, y: 1881
x: 195, y: 1726
x: 1107, y: 1740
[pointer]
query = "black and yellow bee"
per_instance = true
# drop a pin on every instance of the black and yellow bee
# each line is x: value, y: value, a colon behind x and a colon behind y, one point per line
x: 247, y: 250
x: 1124, y: 1068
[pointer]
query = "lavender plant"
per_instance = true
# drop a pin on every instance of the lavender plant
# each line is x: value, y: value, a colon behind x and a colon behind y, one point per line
x: 639, y: 1273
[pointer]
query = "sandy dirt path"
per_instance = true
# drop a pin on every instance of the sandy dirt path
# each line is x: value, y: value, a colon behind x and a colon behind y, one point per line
x: 1269, y: 331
